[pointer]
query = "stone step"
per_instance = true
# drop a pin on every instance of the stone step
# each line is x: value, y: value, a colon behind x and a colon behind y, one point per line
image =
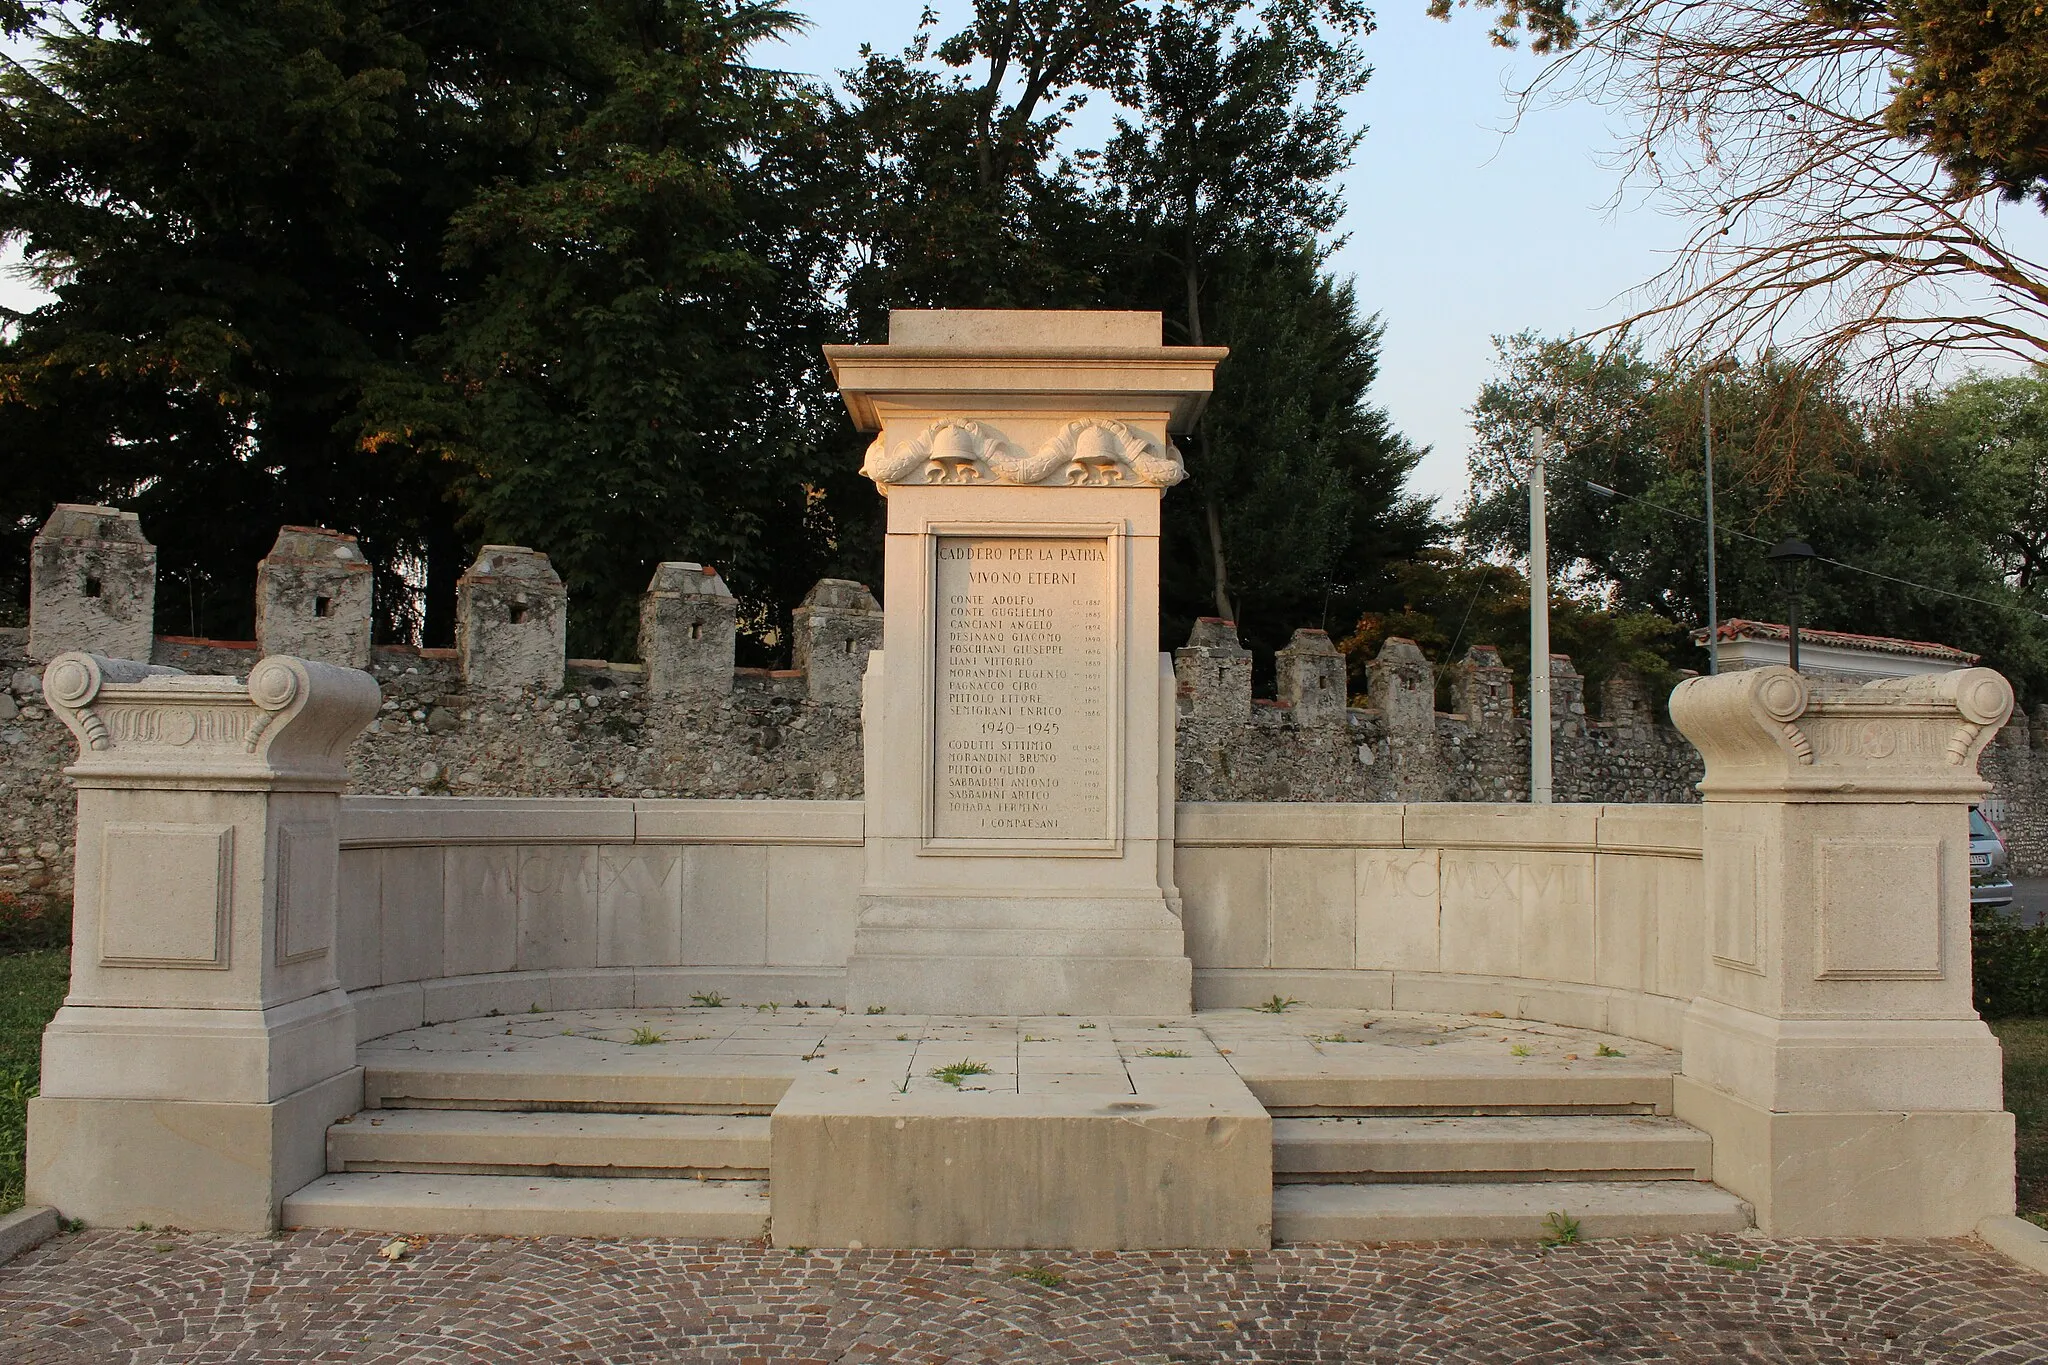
x: 1502, y: 1212
x: 483, y: 1142
x: 521, y: 1206
x: 540, y: 1082
x: 1470, y: 1091
x: 1493, y: 1148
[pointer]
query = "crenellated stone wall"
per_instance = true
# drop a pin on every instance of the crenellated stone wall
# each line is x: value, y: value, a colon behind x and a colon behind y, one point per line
x: 702, y: 729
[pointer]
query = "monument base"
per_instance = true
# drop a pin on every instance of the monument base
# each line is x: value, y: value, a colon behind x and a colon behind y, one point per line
x: 1185, y: 1163
x: 1858, y: 1174
x: 220, y: 1167
x: 945, y: 955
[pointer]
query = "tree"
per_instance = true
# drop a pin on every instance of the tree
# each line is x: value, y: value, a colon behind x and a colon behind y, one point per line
x: 1238, y: 130
x: 959, y: 195
x: 1839, y: 163
x: 636, y: 378
x: 1899, y: 498
x: 1293, y: 468
x: 1210, y: 204
x: 240, y: 207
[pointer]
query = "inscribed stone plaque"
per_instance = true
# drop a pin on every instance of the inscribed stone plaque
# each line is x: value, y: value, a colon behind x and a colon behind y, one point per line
x: 1021, y: 734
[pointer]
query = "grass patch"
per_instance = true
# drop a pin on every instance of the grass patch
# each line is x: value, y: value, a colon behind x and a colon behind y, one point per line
x: 1560, y: 1229
x: 2026, y: 1093
x: 1162, y: 1052
x: 1277, y: 1005
x: 32, y: 985
x: 1720, y: 1262
x: 647, y: 1037
x: 954, y: 1073
x: 1039, y: 1275
x: 710, y: 1000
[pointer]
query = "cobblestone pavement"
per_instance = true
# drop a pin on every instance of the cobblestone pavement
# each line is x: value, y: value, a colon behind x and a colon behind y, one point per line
x: 138, y: 1296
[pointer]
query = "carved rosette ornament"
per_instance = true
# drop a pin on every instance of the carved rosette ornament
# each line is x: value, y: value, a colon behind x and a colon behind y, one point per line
x: 1093, y: 454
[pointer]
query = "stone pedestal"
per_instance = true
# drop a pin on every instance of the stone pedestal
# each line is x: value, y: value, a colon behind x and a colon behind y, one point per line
x: 1833, y: 1053
x: 206, y: 1043
x: 313, y: 597
x: 1019, y: 719
x: 92, y: 584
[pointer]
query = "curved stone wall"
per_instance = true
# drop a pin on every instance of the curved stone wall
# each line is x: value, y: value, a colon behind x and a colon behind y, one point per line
x: 454, y: 907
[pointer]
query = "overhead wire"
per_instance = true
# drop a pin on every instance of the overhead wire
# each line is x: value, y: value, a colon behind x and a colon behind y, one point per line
x: 1604, y: 491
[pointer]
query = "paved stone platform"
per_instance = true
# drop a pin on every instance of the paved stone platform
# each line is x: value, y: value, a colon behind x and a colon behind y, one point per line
x: 167, y: 1297
x: 1106, y: 1056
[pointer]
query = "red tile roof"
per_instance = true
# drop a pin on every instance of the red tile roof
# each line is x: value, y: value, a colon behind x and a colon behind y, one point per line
x: 1840, y: 639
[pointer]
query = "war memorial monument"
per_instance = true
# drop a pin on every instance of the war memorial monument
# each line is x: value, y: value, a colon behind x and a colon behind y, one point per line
x: 1015, y: 994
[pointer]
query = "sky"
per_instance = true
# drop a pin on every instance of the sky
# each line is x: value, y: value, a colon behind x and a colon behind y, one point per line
x: 1457, y: 231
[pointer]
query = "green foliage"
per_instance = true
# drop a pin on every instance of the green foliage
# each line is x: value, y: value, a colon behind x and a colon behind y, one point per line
x: 1447, y: 604
x: 1276, y: 1004
x: 1042, y: 1276
x: 32, y: 985
x: 1969, y: 89
x: 2025, y: 1044
x: 709, y: 1000
x: 2008, y: 967
x: 647, y: 1037
x: 955, y: 1072
x: 32, y: 924
x: 1942, y: 491
x: 1560, y: 1229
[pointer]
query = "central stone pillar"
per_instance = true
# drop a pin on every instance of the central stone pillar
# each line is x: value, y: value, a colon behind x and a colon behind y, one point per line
x: 1018, y: 719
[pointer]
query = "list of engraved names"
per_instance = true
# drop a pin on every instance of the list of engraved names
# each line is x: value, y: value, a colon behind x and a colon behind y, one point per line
x: 1021, y: 745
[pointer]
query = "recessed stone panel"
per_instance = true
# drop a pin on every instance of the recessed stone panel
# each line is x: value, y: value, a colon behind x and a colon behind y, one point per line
x: 166, y: 894
x: 307, y: 864
x: 1734, y: 901
x: 1880, y: 909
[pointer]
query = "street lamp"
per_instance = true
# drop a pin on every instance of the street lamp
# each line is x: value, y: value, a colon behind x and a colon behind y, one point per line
x: 1727, y: 364
x: 1793, y: 556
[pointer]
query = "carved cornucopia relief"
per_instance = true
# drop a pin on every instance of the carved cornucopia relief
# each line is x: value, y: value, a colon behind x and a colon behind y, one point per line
x: 1094, y: 454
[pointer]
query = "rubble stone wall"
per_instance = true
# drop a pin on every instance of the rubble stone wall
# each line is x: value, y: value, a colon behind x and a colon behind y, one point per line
x: 497, y: 721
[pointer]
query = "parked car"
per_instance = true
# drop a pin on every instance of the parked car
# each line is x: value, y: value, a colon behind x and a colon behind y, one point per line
x: 1990, y: 883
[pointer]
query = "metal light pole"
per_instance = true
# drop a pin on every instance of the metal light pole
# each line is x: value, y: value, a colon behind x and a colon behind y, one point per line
x: 1724, y: 365
x: 1539, y: 627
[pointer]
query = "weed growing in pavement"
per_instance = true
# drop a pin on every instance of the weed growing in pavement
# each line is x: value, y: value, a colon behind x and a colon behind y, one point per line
x: 1277, y: 1005
x: 955, y: 1072
x: 644, y: 1037
x: 1560, y: 1228
x: 1519, y: 1050
x: 1162, y: 1052
x: 770, y: 1008
x: 878, y: 1009
x: 1720, y: 1262
x: 1039, y: 1275
x: 1606, y: 1051
x: 710, y: 1000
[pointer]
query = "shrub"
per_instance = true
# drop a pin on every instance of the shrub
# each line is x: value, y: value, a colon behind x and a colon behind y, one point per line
x: 32, y: 924
x: 2009, y: 967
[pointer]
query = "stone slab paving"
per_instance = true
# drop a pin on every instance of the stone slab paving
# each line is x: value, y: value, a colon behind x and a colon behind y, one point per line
x: 164, y: 1297
x: 1025, y: 1055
